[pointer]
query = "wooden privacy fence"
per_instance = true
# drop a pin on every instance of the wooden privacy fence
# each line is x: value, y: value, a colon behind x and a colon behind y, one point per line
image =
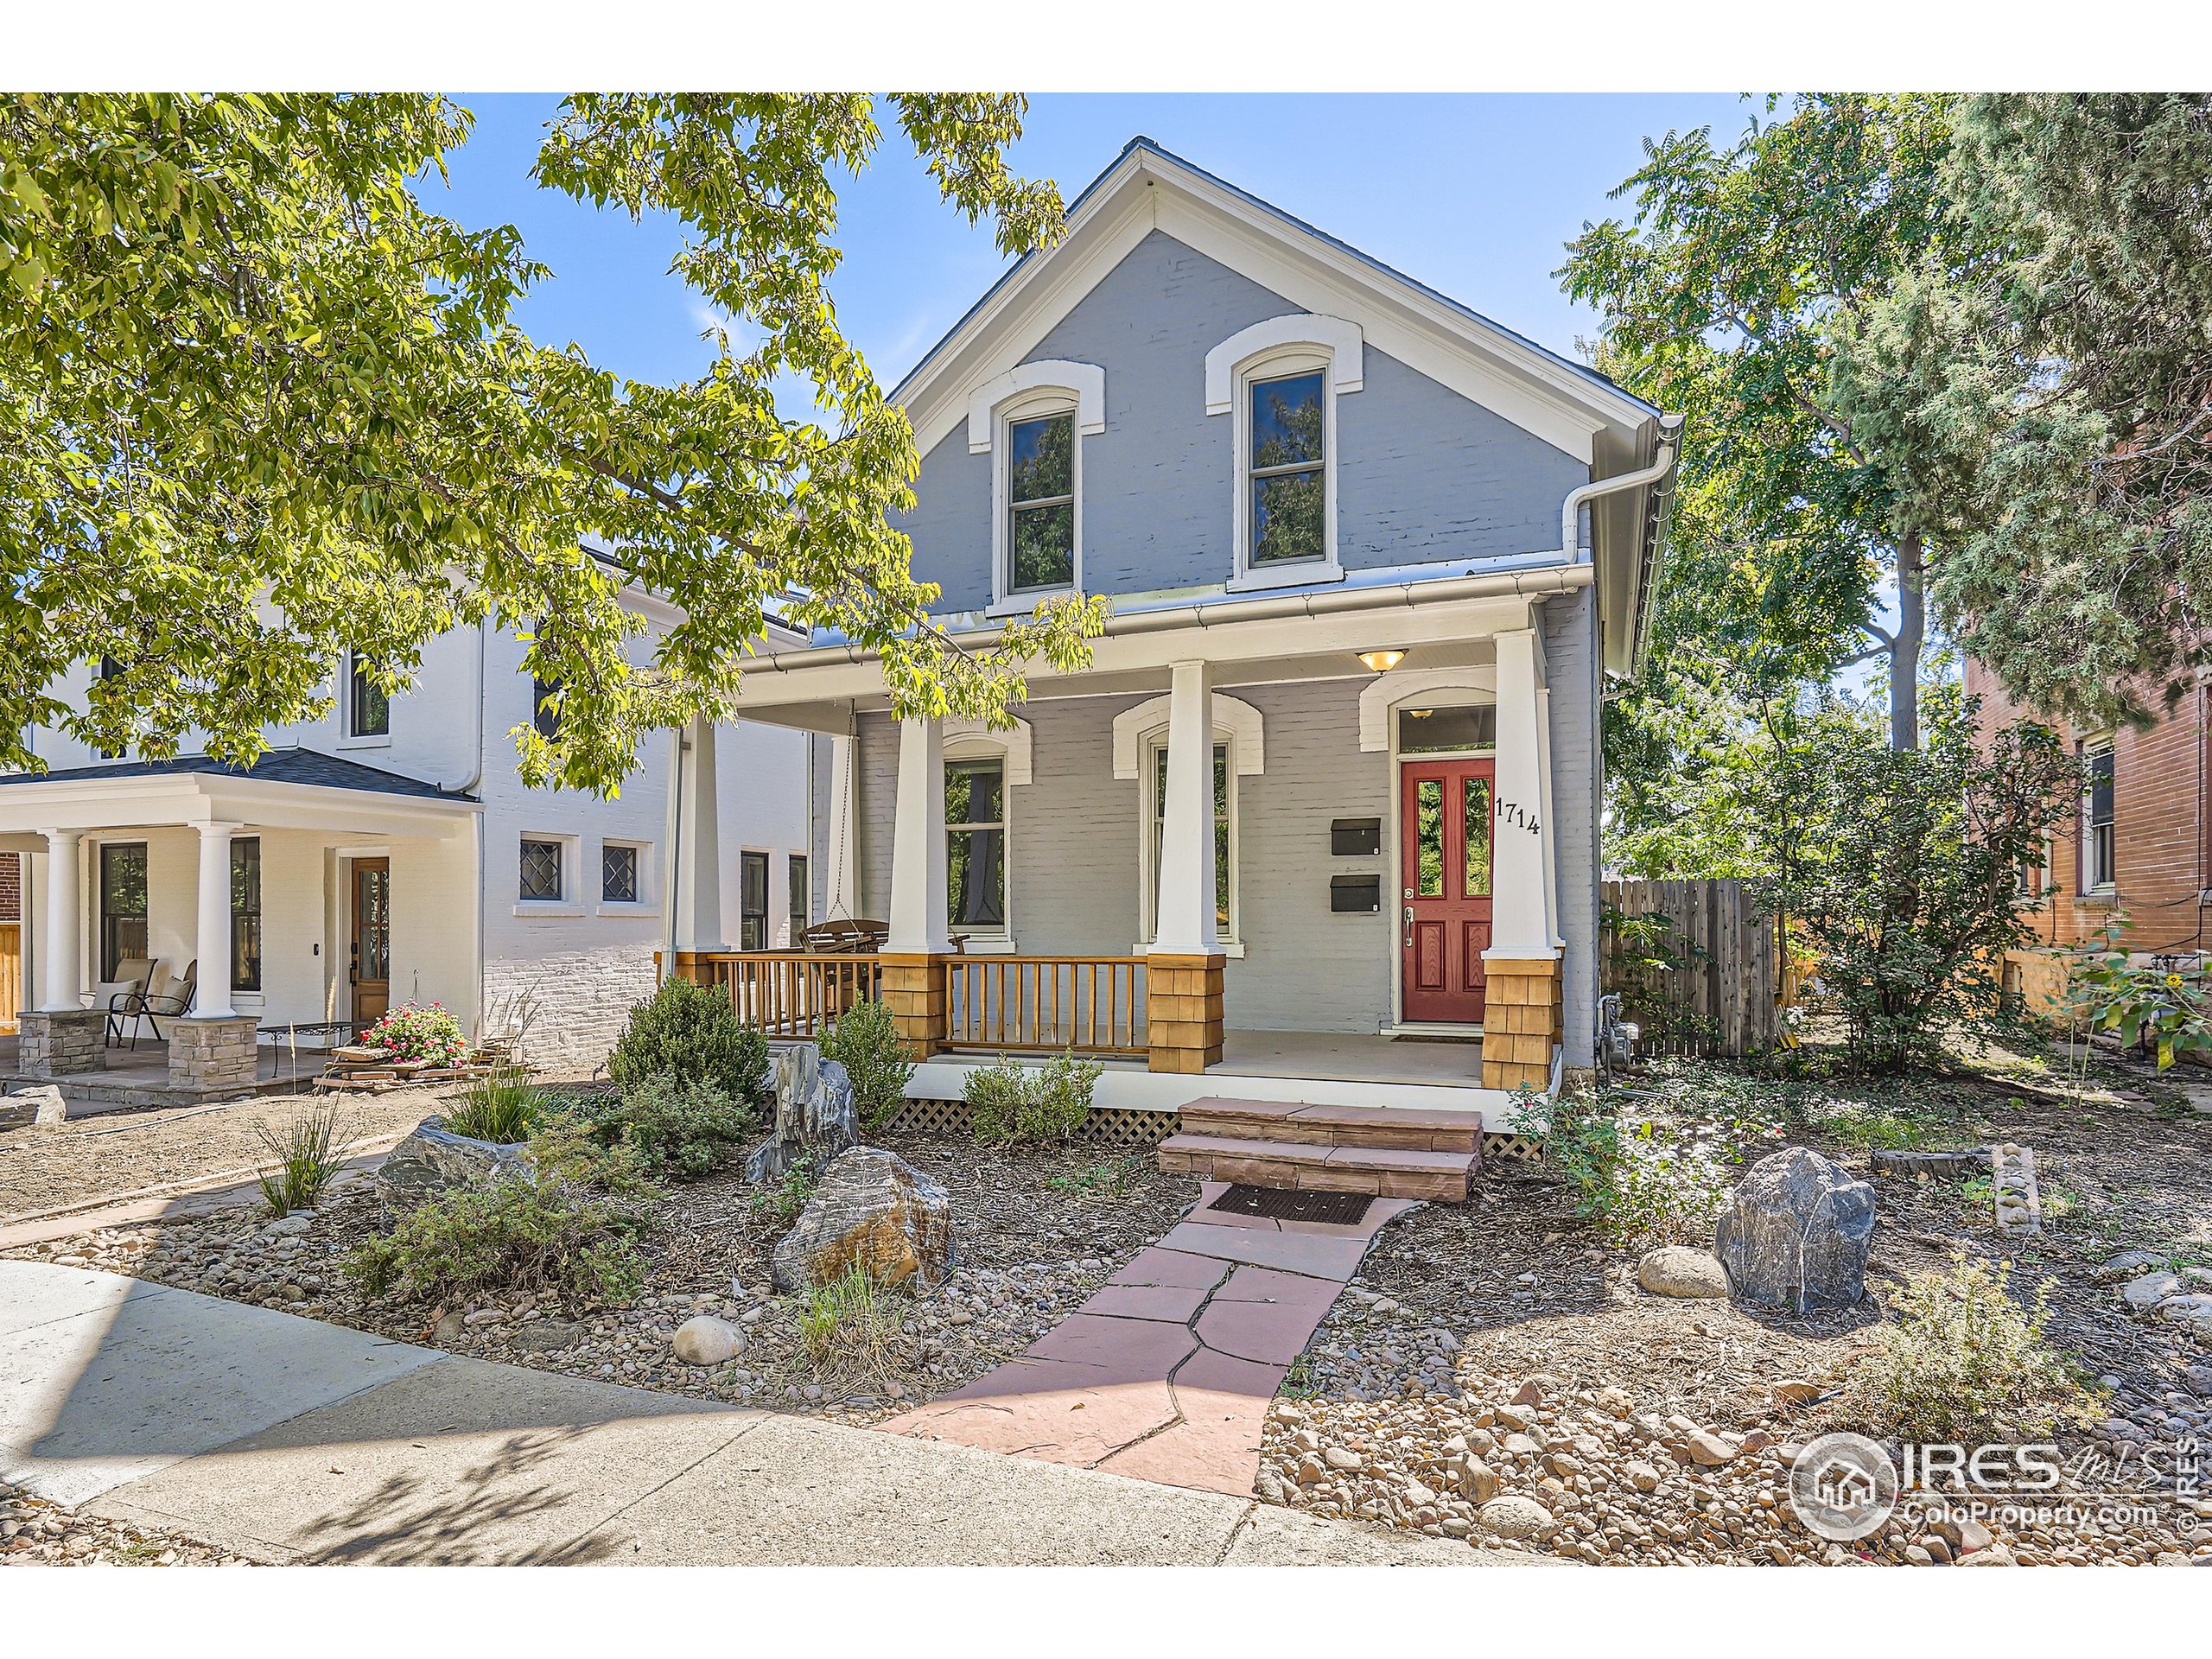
x: 11, y: 972
x: 1092, y: 1003
x: 1694, y: 963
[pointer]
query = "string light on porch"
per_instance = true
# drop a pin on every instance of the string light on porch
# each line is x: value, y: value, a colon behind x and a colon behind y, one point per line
x: 1382, y: 659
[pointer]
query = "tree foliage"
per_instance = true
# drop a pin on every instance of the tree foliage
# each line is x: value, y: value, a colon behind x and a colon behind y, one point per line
x: 2058, y: 389
x: 260, y: 406
x: 1720, y: 299
x: 1903, y: 869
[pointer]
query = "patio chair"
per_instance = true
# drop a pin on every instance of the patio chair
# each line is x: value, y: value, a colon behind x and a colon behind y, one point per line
x: 173, y: 1001
x: 132, y: 975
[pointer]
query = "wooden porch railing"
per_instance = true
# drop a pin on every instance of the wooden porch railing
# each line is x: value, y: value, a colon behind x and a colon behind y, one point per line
x: 790, y: 993
x: 1095, y: 1004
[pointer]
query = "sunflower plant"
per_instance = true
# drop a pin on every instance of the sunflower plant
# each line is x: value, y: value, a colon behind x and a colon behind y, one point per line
x: 2159, y: 1005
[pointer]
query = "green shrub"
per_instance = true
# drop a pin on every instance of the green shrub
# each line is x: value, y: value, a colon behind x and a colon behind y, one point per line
x: 865, y: 1042
x: 1965, y: 1362
x: 504, y: 1108
x: 781, y: 1201
x: 1633, y: 1179
x: 1009, y: 1102
x: 538, y: 1232
x: 308, y: 1156
x: 690, y: 1125
x: 690, y: 1032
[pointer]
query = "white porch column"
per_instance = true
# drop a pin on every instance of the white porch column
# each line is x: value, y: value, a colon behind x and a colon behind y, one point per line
x: 1183, y: 926
x: 697, y: 875
x: 1520, y: 922
x: 919, y: 896
x: 212, y: 937
x: 59, y: 903
x: 844, y: 889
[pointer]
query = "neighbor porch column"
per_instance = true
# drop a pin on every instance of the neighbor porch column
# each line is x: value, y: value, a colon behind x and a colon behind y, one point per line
x: 212, y: 1052
x: 697, y: 928
x: 913, y: 969
x: 212, y: 940
x: 1521, y: 968
x: 62, y: 979
x: 56, y: 1034
x: 1185, y: 965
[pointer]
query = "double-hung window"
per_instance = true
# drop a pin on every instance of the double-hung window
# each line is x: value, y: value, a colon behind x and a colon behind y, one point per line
x: 752, y: 901
x: 1224, y: 840
x: 368, y: 709
x: 2100, y: 855
x: 245, y: 913
x: 123, y: 904
x: 1041, y: 503
x: 1286, y: 471
x: 545, y: 707
x: 975, y: 844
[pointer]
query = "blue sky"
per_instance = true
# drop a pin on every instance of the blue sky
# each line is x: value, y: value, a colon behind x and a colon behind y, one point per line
x: 1474, y: 195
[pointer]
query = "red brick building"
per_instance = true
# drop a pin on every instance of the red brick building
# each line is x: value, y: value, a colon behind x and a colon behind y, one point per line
x: 2141, y: 846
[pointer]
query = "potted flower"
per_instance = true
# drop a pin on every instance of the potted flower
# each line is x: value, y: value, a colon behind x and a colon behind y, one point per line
x: 419, y: 1031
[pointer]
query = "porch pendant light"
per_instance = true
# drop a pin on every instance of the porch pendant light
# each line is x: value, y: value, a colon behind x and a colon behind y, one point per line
x: 1381, y: 660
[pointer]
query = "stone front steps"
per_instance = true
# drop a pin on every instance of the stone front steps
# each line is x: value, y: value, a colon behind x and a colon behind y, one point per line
x: 1393, y: 1152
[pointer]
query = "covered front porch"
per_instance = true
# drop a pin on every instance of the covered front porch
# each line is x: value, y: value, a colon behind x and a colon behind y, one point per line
x: 196, y: 931
x: 1317, y: 862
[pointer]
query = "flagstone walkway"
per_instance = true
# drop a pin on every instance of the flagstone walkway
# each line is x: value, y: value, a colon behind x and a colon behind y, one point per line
x: 1166, y: 1373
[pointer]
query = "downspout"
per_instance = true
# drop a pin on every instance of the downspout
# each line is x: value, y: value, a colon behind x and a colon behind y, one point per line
x: 675, y: 844
x: 1570, y: 511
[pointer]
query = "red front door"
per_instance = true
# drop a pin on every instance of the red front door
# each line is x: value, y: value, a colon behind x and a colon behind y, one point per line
x: 1443, y: 817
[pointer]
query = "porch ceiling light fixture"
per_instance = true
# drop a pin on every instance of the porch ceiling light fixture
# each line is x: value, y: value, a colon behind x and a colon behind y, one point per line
x: 1383, y: 660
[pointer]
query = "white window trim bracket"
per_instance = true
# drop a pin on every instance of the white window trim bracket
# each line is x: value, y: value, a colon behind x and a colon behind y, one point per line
x: 1450, y: 688
x: 1233, y: 718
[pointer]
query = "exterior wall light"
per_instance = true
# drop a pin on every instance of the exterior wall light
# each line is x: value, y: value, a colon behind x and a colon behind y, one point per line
x: 1382, y: 661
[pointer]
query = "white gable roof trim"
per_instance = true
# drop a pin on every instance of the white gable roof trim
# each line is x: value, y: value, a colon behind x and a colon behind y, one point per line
x: 1147, y: 189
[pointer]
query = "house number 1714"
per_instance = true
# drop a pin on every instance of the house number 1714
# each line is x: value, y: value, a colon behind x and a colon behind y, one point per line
x: 1514, y: 813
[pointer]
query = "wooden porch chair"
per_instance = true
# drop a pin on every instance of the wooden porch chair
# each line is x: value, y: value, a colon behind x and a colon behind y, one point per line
x: 132, y: 976
x: 172, y: 1001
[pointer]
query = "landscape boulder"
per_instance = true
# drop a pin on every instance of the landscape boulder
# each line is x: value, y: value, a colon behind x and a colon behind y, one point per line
x: 39, y: 1104
x: 1677, y: 1270
x: 1516, y: 1516
x: 876, y: 1209
x: 434, y: 1160
x: 815, y: 1114
x: 705, y: 1340
x: 1796, y: 1233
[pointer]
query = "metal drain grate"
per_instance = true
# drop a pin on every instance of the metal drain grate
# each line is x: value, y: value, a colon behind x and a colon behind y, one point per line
x: 1274, y: 1204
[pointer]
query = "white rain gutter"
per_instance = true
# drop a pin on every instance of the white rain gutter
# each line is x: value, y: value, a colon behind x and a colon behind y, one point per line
x: 1540, y: 581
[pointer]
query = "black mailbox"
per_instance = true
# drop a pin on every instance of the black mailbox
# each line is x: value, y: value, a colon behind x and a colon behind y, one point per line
x: 1355, y: 837
x: 1360, y: 895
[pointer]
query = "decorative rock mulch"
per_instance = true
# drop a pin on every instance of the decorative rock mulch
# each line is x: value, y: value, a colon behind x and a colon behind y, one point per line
x: 36, y: 1533
x: 1036, y: 1232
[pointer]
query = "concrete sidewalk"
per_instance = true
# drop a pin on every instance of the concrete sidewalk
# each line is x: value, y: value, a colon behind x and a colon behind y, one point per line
x: 289, y: 1440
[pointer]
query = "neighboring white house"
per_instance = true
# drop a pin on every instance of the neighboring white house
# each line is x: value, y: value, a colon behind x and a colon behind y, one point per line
x: 390, y: 853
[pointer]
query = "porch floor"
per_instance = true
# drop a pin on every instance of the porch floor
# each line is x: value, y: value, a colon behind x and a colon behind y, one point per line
x: 1349, y: 1057
x: 130, y: 1078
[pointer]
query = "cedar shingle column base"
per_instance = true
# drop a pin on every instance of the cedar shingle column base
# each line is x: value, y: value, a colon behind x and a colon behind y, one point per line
x: 1182, y: 1012
x: 1522, y: 1016
x: 913, y: 989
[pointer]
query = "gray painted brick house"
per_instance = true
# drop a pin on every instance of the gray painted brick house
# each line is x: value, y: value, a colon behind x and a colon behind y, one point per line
x: 1320, y: 820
